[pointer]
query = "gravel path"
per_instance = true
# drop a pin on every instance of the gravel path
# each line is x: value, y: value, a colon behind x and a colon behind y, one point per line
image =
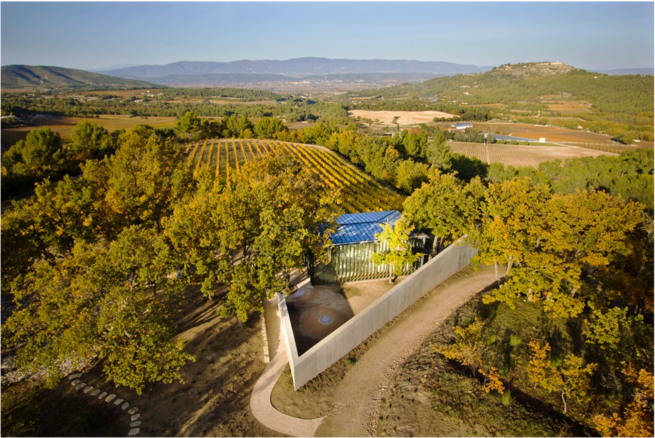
x: 260, y: 401
x: 360, y: 392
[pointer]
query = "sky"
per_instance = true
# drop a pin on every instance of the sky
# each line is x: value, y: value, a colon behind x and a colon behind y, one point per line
x: 589, y: 35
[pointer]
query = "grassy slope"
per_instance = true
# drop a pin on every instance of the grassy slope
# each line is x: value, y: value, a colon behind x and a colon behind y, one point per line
x: 624, y: 94
x: 26, y: 76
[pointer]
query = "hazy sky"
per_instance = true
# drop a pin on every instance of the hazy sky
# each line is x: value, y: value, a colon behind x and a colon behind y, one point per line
x: 591, y: 35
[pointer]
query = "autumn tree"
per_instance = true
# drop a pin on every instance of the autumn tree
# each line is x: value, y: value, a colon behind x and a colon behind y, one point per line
x: 398, y: 250
x: 637, y: 418
x: 552, y: 244
x: 570, y: 378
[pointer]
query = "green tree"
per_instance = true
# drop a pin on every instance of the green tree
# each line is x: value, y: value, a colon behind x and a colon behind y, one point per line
x: 188, y: 124
x: 445, y: 206
x: 438, y: 153
x: 267, y: 217
x: 399, y: 250
x: 115, y: 302
x: 268, y: 127
x: 90, y: 140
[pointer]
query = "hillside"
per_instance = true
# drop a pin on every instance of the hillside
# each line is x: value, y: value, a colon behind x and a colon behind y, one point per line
x: 298, y: 67
x: 43, y: 77
x: 359, y: 191
x: 530, y: 83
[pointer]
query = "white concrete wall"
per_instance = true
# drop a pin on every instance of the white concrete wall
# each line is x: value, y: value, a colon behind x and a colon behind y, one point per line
x: 357, y: 329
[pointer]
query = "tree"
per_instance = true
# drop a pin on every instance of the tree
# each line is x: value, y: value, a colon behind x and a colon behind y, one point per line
x: 116, y: 302
x: 559, y: 242
x: 468, y: 347
x: 90, y: 140
x: 410, y: 175
x: 268, y: 127
x: 269, y: 216
x: 637, y: 418
x: 570, y: 378
x: 438, y: 153
x: 445, y: 206
x: 40, y: 155
x: 399, y: 250
x: 188, y: 124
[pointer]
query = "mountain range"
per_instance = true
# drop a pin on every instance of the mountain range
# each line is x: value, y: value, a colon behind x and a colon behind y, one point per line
x: 297, y: 68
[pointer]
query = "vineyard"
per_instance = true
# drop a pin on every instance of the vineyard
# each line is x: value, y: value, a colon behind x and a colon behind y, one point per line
x: 516, y: 156
x: 359, y: 191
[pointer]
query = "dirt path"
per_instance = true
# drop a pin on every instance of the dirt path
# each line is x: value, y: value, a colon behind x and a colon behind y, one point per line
x: 260, y: 401
x: 357, y: 410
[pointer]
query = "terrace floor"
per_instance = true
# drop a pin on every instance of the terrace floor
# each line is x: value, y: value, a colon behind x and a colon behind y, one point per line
x: 315, y: 312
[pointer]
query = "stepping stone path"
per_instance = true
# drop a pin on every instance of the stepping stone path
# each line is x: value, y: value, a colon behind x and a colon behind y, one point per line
x: 90, y: 390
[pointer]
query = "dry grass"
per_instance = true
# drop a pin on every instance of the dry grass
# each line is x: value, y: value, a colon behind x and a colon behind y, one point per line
x: 64, y: 124
x: 516, y: 156
x: 404, y: 117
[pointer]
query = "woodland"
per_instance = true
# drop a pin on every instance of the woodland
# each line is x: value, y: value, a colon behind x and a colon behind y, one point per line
x: 106, y: 230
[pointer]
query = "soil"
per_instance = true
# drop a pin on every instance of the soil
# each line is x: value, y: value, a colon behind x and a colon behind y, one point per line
x: 430, y: 396
x: 520, y: 155
x: 404, y: 117
x: 214, y: 398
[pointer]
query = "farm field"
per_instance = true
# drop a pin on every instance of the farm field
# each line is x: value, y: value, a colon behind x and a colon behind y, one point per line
x: 64, y: 124
x: 521, y: 155
x: 551, y: 133
x: 359, y: 191
x: 404, y: 117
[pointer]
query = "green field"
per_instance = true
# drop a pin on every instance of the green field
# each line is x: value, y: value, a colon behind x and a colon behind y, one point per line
x: 359, y: 191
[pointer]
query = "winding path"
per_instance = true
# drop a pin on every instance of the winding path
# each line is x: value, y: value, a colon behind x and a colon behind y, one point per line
x: 260, y: 401
x: 360, y: 392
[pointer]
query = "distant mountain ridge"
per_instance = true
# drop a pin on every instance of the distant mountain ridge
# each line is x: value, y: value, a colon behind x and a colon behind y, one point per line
x: 298, y: 67
x: 49, y: 77
x: 649, y: 71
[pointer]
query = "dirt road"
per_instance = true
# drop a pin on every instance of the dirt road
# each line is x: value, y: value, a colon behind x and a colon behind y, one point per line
x: 357, y: 397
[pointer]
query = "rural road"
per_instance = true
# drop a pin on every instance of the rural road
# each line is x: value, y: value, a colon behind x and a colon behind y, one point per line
x: 357, y: 410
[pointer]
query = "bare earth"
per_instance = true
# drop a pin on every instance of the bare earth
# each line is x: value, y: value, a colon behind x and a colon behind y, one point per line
x: 404, y: 117
x: 521, y: 155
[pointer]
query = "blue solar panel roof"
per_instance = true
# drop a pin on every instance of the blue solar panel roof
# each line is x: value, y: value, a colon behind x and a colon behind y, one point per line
x: 362, y: 227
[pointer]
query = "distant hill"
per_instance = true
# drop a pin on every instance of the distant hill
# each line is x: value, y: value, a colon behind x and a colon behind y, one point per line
x: 529, y: 82
x: 245, y: 79
x: 42, y: 77
x: 298, y: 68
x: 630, y: 71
